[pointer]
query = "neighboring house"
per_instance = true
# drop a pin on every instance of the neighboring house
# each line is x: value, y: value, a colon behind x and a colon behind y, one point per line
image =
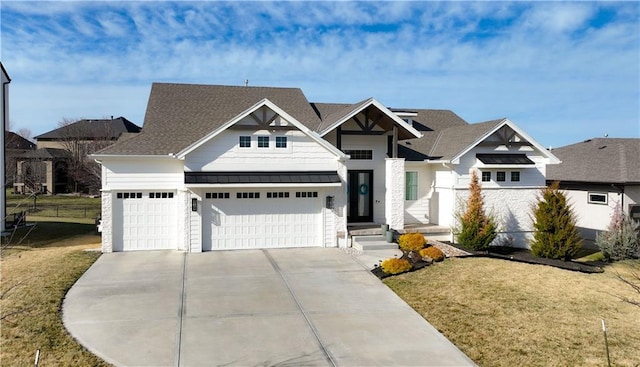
x: 226, y: 167
x: 598, y: 174
x: 4, y: 115
x: 15, y: 146
x: 61, y: 164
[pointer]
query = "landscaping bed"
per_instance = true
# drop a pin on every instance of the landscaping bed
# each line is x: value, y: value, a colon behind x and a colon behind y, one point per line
x: 525, y: 256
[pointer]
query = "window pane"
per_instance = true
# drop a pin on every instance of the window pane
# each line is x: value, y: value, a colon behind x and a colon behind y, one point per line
x: 411, y: 185
x: 245, y: 142
x: 263, y: 142
x: 501, y: 176
x: 486, y: 176
x: 281, y: 141
x: 515, y: 176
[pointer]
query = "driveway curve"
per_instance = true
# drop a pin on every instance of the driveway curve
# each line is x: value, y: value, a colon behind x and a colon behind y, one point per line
x: 280, y: 307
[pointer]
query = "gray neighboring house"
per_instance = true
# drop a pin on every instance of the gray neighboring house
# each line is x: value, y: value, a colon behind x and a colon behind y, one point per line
x: 598, y: 174
x: 46, y: 169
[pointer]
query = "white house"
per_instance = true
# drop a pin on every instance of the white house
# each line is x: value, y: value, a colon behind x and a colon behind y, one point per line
x: 4, y: 114
x: 230, y: 167
x: 597, y: 175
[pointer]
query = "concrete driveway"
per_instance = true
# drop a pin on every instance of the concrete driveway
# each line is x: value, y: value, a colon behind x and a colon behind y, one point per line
x: 285, y: 307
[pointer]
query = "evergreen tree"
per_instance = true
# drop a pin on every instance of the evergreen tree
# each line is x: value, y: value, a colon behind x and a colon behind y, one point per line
x: 622, y: 238
x: 555, y: 232
x: 476, y: 229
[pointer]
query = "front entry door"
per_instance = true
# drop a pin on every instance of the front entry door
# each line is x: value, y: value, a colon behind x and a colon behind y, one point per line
x: 360, y: 191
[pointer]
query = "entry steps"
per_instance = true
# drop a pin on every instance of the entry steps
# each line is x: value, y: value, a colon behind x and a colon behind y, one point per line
x: 372, y: 242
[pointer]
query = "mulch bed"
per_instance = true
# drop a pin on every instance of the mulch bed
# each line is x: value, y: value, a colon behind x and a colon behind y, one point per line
x: 377, y: 271
x: 525, y: 256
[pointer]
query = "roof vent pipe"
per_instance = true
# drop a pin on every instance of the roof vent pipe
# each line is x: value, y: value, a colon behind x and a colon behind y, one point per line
x: 246, y: 82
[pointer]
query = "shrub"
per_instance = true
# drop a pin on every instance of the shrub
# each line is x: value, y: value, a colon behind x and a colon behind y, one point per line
x: 395, y: 266
x: 433, y: 252
x: 476, y: 229
x: 622, y: 237
x: 412, y: 241
x: 555, y: 233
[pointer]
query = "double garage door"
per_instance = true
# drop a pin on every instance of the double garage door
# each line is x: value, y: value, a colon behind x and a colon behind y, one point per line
x: 261, y: 219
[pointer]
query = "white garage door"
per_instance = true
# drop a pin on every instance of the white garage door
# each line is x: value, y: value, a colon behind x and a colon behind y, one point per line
x: 261, y: 219
x: 145, y: 221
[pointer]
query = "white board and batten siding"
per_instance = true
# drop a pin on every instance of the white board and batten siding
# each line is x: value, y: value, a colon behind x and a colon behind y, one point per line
x: 224, y: 154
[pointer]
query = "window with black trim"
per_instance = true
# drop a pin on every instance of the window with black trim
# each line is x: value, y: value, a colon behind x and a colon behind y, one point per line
x: 486, y: 176
x: 248, y: 195
x: 501, y: 176
x: 306, y: 194
x: 361, y: 154
x: 515, y: 176
x: 160, y: 195
x: 276, y: 195
x: 129, y: 195
x: 281, y: 141
x: 216, y: 195
x: 245, y: 142
x: 598, y: 198
x: 263, y: 142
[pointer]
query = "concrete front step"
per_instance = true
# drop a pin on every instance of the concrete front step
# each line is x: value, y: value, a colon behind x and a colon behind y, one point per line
x: 373, y: 242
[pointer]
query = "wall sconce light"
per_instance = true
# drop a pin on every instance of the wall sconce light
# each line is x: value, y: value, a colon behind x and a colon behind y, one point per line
x: 194, y: 205
x: 329, y: 202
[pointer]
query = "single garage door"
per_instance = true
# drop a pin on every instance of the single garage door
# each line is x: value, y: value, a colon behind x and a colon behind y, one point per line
x: 261, y: 219
x: 145, y: 221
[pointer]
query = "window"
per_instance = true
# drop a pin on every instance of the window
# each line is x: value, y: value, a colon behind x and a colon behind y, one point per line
x: 486, y: 176
x: 160, y: 195
x: 129, y: 195
x: 307, y: 194
x: 263, y: 142
x: 281, y: 141
x: 597, y: 198
x: 359, y: 154
x: 245, y: 142
x: 217, y: 195
x: 275, y: 195
x: 515, y: 176
x: 501, y: 176
x: 248, y: 195
x: 411, y: 186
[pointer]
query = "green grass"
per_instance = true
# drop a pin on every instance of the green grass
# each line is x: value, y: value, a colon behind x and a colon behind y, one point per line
x: 65, y: 206
x: 503, y: 313
x: 36, y: 275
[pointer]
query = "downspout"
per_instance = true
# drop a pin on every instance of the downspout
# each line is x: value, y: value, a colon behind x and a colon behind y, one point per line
x: 4, y: 152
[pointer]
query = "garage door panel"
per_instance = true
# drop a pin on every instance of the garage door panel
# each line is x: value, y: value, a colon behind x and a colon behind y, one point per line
x: 261, y: 223
x: 146, y: 223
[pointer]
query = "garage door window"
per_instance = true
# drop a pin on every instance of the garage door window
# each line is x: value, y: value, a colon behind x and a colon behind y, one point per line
x: 275, y: 195
x: 160, y: 195
x: 248, y: 195
x: 216, y: 195
x: 129, y: 195
x: 307, y: 194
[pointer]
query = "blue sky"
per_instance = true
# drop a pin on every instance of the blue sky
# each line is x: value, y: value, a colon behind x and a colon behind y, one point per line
x: 563, y: 71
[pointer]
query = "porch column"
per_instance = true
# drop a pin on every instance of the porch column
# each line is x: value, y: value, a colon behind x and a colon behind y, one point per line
x: 184, y: 219
x: 394, y: 192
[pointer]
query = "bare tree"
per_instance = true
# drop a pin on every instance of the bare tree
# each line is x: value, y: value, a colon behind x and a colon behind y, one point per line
x: 82, y: 139
x: 26, y: 133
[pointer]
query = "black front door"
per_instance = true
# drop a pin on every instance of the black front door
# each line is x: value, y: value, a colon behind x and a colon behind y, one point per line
x: 360, y: 191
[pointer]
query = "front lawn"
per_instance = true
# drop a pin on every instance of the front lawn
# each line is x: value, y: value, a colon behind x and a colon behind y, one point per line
x: 35, y: 277
x: 503, y: 313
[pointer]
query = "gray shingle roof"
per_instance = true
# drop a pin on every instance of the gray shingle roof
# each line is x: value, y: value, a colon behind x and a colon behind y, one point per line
x: 453, y: 140
x: 92, y: 129
x: 598, y: 160
x: 430, y: 123
x: 179, y: 114
x: 46, y: 154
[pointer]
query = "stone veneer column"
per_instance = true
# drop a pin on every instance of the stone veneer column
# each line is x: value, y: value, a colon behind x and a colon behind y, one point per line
x: 184, y: 217
x: 394, y: 192
x: 107, y: 221
x: 340, y: 208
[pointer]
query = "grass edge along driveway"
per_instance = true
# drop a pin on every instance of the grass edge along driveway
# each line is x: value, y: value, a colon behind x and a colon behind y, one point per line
x: 36, y: 276
x: 503, y: 313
